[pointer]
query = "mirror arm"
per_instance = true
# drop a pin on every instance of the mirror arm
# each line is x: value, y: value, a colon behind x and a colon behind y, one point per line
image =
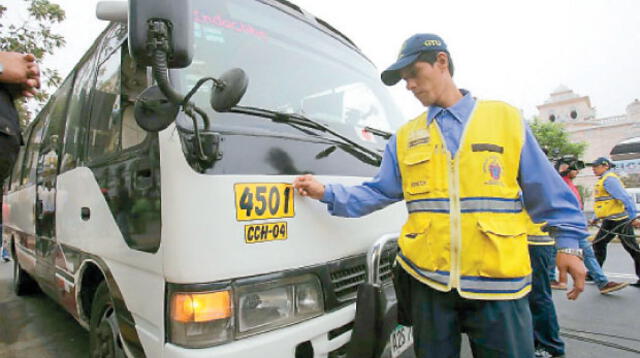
x: 158, y: 45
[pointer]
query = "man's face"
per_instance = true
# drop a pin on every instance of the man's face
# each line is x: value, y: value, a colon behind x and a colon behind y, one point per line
x: 599, y: 169
x: 425, y: 81
x: 573, y: 173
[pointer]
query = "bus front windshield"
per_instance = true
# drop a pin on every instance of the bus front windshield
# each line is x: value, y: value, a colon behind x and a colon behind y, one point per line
x: 293, y: 67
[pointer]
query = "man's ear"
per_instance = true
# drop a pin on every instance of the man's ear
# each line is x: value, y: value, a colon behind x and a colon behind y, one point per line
x: 442, y: 60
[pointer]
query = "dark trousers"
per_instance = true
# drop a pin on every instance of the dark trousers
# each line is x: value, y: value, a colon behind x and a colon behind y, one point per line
x: 546, y: 331
x: 496, y: 329
x: 624, y: 231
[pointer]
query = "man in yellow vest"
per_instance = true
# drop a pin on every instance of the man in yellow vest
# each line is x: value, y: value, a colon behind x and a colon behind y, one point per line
x: 615, y: 207
x: 464, y: 244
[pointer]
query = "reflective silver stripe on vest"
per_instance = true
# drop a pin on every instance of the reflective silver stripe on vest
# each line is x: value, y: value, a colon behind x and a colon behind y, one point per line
x: 441, y: 205
x: 431, y: 205
x: 603, y: 198
x: 494, y: 285
x: 539, y: 238
x: 622, y: 215
x: 441, y: 277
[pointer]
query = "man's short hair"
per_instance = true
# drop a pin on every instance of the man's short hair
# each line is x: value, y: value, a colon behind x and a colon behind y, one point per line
x: 430, y: 57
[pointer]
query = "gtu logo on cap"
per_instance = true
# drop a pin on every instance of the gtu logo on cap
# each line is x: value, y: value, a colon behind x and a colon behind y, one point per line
x: 430, y: 43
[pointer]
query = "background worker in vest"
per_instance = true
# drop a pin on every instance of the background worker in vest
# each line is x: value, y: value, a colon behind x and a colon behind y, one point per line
x: 546, y: 330
x: 19, y: 76
x: 615, y: 207
x: 464, y: 245
x: 569, y: 168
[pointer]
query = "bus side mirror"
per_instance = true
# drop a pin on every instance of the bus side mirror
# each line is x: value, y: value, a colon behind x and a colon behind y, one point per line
x: 176, y: 14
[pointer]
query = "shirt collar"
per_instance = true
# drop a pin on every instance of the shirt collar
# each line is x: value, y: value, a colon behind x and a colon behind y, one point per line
x: 460, y: 110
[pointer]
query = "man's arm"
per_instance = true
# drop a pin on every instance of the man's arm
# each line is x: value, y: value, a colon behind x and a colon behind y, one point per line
x: 547, y: 198
x: 355, y: 201
x: 613, y: 186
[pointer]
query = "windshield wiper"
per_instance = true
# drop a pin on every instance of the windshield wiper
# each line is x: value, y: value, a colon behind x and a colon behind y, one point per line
x: 378, y: 132
x: 372, y: 156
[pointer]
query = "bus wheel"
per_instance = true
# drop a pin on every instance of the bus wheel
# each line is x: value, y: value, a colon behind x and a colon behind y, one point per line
x: 104, y: 333
x: 23, y: 284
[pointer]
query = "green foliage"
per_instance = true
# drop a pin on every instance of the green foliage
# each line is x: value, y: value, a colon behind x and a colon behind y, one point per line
x: 34, y: 35
x: 555, y: 139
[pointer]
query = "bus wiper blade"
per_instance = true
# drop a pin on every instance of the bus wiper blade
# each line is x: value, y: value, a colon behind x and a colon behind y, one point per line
x: 295, y: 118
x: 378, y: 132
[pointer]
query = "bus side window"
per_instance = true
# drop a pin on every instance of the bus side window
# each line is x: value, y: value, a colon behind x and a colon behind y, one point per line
x: 113, y: 127
x: 77, y: 116
x: 32, y: 150
x: 106, y: 117
x: 16, y: 172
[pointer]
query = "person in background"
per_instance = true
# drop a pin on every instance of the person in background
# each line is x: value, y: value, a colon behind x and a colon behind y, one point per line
x: 615, y: 207
x: 546, y: 330
x: 569, y: 171
x: 464, y: 245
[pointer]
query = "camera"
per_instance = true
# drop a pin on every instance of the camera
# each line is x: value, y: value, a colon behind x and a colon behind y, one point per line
x: 572, y: 162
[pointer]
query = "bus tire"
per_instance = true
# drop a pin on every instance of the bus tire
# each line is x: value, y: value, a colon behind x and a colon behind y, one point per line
x: 23, y: 284
x: 104, y: 331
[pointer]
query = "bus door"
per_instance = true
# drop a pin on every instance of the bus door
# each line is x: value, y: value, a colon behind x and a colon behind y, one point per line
x: 50, y: 266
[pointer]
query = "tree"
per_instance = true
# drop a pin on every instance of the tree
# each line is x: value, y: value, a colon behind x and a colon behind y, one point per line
x: 555, y: 139
x: 34, y: 35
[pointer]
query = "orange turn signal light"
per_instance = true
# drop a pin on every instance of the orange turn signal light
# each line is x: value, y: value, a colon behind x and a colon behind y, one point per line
x: 200, y: 307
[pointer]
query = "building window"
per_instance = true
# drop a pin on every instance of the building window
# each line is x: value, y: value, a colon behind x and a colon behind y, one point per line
x: 574, y: 114
x: 552, y: 118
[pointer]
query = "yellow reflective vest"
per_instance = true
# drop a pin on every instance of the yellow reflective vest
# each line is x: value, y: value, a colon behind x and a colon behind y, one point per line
x: 466, y: 229
x: 536, y: 236
x: 606, y: 207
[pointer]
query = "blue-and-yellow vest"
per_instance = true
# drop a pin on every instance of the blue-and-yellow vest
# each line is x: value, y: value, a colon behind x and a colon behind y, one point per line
x: 606, y: 207
x: 536, y: 236
x: 466, y: 229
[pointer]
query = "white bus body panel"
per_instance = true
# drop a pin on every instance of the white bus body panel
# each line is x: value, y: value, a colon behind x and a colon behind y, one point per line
x: 138, y: 274
x: 21, y: 213
x: 204, y: 242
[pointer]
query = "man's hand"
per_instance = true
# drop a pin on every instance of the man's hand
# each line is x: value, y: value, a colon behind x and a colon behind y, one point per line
x: 593, y: 222
x: 20, y: 70
x: 575, y: 267
x: 307, y: 185
x: 636, y: 223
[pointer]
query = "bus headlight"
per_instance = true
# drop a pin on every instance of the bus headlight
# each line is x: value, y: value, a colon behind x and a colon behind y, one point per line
x: 265, y: 306
x: 201, y: 319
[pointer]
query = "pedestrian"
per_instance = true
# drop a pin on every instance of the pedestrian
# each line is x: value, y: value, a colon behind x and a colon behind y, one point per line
x: 615, y: 207
x: 19, y: 77
x: 594, y: 271
x: 464, y: 244
x: 546, y: 330
x: 4, y: 253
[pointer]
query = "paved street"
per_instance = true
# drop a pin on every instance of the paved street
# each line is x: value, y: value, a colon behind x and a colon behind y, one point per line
x: 596, y: 326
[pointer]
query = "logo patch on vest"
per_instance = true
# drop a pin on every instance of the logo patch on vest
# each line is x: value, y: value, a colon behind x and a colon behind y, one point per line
x: 493, y: 168
x: 417, y: 137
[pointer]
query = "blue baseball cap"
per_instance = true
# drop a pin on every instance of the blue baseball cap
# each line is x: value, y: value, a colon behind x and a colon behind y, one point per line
x: 600, y: 161
x: 409, y: 53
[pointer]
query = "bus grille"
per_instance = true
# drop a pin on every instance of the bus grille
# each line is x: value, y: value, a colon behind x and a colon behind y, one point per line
x: 347, y: 279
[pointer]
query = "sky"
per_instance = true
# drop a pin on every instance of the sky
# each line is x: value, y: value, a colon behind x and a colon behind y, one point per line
x: 515, y: 51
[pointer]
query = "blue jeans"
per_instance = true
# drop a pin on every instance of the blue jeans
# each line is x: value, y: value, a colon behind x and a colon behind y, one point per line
x: 4, y: 253
x: 546, y: 330
x: 590, y: 261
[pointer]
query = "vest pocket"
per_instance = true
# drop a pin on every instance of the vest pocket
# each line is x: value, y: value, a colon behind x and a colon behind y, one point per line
x: 504, y: 252
x: 417, y: 243
x: 418, y: 176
